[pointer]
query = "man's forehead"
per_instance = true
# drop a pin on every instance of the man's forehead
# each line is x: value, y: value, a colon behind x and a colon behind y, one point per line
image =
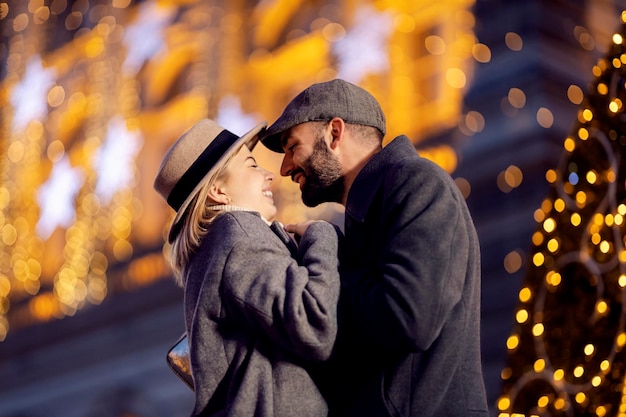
x: 293, y: 132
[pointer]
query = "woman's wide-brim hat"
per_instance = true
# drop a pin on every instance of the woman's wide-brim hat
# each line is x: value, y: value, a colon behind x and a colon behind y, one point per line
x: 192, y: 159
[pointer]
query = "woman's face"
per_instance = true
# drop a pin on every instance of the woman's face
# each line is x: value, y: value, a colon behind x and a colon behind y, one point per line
x: 248, y: 185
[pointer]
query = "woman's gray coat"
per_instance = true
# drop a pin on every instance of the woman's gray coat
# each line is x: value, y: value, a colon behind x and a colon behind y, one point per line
x: 257, y: 318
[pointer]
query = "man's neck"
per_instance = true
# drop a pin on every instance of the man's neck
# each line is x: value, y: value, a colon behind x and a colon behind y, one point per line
x: 353, y: 166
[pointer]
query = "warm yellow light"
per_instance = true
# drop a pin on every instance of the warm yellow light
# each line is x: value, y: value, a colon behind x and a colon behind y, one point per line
x: 605, y: 247
x: 512, y: 342
x: 587, y: 115
x: 598, y: 219
x: 525, y: 294
x: 333, y: 32
x: 94, y: 47
x: 545, y: 118
x: 549, y: 225
x: 589, y: 349
x: 475, y: 121
x: 559, y: 205
x: 575, y: 94
x: 621, y: 340
x: 610, y: 175
x: 435, y: 45
x: 404, y: 23
x: 537, y: 238
x: 539, y: 215
x: 56, y: 96
x: 559, y: 403
x: 5, y: 286
x: 596, y: 238
x: 579, y: 371
x: 543, y: 401
x: 551, y: 176
x: 602, y: 89
x: 553, y: 278
x: 580, y: 397
x: 622, y: 280
x: 481, y: 53
x: 513, y: 41
x: 121, y: 4
x: 517, y: 98
x: 504, y: 403
x: 553, y: 245
x: 456, y: 78
x: 513, y: 262
x: 538, y: 329
x: 521, y: 316
x: 538, y: 259
x: 605, y: 365
x: 464, y: 186
x: 575, y: 219
x: 617, y: 39
x: 583, y: 133
x: 615, y: 105
x: 558, y: 374
x: 539, y: 365
x: 513, y: 176
x: 581, y: 197
x: 596, y: 381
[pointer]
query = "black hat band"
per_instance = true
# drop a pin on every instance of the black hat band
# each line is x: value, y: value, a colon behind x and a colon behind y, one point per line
x: 196, y: 172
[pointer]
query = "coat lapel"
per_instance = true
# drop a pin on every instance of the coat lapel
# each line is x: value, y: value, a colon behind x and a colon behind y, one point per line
x: 278, y: 229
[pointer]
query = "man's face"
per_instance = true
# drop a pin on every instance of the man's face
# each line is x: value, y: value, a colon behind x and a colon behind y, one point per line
x: 310, y: 162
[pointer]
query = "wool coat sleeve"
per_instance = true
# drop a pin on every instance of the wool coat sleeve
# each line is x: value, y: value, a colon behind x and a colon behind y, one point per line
x: 402, y: 300
x: 292, y: 303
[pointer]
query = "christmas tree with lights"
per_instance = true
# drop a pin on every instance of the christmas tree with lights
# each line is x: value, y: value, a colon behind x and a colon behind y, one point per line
x: 566, y: 352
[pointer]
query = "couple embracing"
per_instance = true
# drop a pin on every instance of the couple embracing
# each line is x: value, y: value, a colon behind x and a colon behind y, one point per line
x: 302, y: 319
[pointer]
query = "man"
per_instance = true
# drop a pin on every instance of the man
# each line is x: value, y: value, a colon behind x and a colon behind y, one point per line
x: 409, y: 310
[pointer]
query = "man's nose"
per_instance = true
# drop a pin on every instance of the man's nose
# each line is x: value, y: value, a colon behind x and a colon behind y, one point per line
x: 286, y: 167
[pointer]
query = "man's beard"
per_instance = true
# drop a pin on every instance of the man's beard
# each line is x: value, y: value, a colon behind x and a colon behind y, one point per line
x: 324, y: 180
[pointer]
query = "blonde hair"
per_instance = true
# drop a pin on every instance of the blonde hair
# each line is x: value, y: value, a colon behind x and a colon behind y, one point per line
x: 195, y: 225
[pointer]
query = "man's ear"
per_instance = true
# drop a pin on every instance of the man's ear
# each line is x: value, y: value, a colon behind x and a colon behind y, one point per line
x: 217, y: 194
x: 337, y: 130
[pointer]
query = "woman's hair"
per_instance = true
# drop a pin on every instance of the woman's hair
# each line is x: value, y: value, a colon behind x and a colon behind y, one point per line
x: 195, y: 225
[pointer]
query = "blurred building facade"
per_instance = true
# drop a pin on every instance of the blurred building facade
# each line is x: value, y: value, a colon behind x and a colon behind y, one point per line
x: 94, y: 92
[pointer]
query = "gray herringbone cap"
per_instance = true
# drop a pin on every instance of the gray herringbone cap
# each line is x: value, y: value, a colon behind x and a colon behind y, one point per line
x: 322, y: 102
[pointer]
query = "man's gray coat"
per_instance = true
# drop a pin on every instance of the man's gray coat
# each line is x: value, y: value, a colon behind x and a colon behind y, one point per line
x: 409, y: 311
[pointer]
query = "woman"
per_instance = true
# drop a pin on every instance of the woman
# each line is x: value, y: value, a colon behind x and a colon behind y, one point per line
x: 260, y: 312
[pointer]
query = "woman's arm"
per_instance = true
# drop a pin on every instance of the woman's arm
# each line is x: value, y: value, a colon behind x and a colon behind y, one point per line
x: 294, y: 305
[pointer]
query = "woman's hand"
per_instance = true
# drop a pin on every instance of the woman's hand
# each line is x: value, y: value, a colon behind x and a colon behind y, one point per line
x: 298, y: 229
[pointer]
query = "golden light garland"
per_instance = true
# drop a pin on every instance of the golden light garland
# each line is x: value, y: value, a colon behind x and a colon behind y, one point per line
x: 91, y: 78
x: 566, y: 355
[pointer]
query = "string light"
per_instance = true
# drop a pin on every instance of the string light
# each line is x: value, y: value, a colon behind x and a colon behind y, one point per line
x: 572, y: 359
x: 193, y: 56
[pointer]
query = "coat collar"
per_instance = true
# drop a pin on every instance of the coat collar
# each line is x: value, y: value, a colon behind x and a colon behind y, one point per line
x: 368, y: 181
